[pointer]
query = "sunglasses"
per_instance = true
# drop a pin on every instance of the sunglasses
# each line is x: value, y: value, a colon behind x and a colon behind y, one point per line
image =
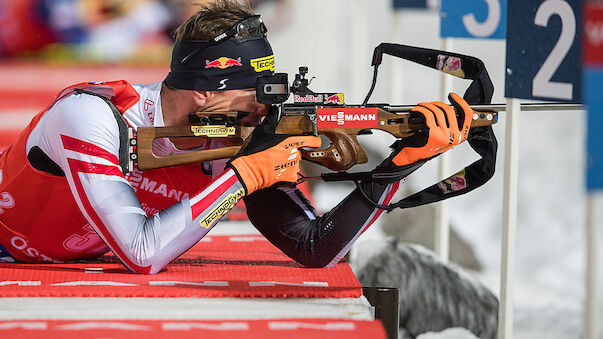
x: 250, y: 28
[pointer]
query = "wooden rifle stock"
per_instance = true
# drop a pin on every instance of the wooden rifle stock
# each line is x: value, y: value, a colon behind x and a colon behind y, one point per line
x: 343, y: 152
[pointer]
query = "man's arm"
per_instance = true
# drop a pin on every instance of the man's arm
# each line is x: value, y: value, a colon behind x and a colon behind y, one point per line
x: 288, y: 220
x: 81, y: 136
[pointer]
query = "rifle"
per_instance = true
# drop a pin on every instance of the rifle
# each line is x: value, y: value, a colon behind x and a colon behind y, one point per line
x: 311, y: 114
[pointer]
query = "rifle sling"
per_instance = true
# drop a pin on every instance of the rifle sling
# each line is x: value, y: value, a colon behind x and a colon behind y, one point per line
x: 481, y: 139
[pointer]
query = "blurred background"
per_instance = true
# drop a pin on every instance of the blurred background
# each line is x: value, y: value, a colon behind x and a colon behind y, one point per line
x: 46, y: 45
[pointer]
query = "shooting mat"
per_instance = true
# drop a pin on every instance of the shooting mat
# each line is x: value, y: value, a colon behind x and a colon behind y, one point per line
x: 218, y: 266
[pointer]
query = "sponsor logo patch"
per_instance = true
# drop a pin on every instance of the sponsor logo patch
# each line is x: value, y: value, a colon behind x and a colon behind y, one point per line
x: 263, y: 64
x: 213, y: 131
x: 314, y: 99
x: 148, y: 103
x: 335, y: 99
x: 222, y: 208
x: 322, y: 98
x: 455, y: 183
x: 450, y: 65
x: 347, y: 117
x: 223, y: 63
x: 223, y: 83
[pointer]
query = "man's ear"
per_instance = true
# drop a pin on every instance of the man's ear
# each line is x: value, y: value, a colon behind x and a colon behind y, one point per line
x: 200, y: 97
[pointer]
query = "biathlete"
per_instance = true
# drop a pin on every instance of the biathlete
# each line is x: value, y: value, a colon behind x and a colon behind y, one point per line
x: 65, y: 196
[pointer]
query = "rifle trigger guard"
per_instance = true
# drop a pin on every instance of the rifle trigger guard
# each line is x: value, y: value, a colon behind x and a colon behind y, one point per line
x: 312, y: 117
x: 343, y: 153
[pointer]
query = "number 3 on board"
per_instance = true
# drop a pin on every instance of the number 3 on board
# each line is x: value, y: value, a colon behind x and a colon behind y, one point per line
x: 488, y: 27
x: 484, y: 19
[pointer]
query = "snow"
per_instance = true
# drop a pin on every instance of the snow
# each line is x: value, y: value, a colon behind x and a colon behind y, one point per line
x: 451, y: 333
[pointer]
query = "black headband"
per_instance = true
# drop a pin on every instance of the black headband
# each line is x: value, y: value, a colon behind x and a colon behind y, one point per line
x: 228, y: 65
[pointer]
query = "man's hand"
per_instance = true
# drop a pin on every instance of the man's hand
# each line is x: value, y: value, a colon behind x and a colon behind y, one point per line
x: 270, y: 158
x: 409, y: 154
x: 444, y: 131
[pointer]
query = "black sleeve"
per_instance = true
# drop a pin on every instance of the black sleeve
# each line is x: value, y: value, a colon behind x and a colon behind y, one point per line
x: 288, y: 220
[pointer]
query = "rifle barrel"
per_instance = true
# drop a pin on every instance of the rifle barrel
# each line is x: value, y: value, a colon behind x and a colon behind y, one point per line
x: 548, y: 106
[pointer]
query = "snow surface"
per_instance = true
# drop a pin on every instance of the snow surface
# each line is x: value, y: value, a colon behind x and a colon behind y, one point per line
x: 336, y: 38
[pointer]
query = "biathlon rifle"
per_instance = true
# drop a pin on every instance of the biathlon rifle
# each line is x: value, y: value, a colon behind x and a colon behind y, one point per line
x: 311, y: 114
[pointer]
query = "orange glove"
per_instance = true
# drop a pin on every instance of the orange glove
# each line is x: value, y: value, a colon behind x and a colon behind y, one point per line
x: 270, y: 158
x: 444, y: 131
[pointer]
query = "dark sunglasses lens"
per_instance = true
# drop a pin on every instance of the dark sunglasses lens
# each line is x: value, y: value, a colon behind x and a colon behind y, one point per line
x: 251, y: 27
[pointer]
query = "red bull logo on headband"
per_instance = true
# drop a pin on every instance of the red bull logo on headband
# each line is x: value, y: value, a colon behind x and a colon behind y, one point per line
x: 223, y: 62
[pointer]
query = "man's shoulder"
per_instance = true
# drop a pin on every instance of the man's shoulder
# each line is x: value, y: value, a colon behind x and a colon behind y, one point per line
x: 81, y: 103
x: 145, y: 90
x: 144, y: 111
x: 81, y: 109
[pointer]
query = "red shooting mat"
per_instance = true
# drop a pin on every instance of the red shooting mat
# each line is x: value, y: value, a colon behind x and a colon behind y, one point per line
x: 218, y: 266
x: 261, y: 329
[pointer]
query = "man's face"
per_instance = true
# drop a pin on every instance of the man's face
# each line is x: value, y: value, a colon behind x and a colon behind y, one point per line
x: 239, y: 100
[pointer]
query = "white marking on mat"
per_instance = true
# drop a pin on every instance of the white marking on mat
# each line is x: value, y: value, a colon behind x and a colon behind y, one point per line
x: 39, y: 325
x: 225, y: 326
x: 189, y: 283
x: 274, y: 283
x: 93, y: 270
x: 21, y: 283
x: 92, y: 283
x: 246, y: 239
x: 93, y: 325
x: 292, y: 326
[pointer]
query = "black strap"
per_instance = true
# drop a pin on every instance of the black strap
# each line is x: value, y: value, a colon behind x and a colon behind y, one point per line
x: 123, y: 130
x: 481, y: 139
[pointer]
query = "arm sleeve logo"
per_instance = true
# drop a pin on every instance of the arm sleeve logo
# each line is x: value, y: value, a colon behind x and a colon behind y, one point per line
x: 223, y: 207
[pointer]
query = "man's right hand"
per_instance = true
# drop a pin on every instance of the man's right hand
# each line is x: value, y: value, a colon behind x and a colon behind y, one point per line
x: 442, y: 133
x: 270, y: 158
